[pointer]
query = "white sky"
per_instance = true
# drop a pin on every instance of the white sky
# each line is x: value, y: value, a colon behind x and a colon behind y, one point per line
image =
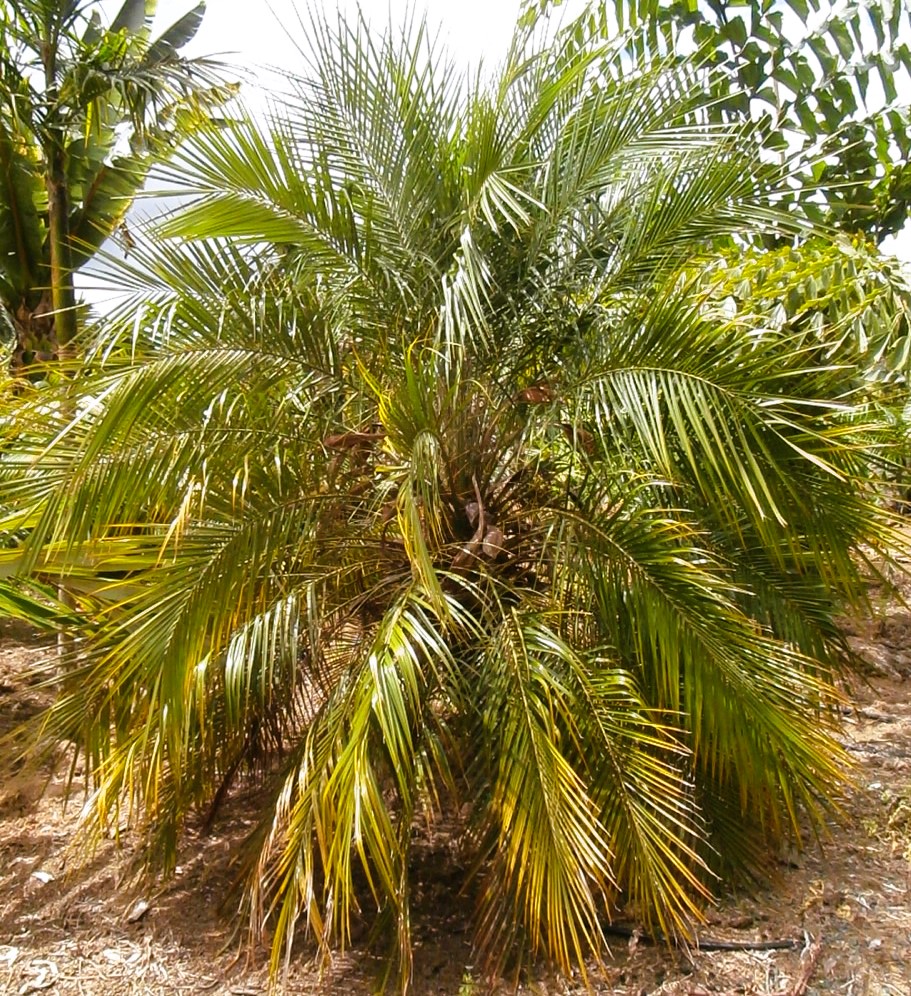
x: 256, y: 33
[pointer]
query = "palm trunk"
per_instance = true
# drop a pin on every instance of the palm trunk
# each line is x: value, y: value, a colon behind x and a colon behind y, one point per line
x: 36, y: 334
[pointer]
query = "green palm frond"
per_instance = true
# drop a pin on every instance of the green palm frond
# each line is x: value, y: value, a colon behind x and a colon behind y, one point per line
x: 550, y: 866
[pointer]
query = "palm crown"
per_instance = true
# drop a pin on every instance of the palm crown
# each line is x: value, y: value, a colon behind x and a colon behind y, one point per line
x: 429, y: 477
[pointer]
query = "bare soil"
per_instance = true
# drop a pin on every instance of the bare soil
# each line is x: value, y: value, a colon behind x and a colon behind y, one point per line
x: 69, y: 928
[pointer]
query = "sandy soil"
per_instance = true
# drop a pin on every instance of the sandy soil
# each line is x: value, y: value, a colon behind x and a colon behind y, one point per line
x: 71, y: 930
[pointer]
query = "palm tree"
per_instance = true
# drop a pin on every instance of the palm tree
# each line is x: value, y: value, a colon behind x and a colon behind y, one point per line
x: 422, y: 474
x: 84, y: 112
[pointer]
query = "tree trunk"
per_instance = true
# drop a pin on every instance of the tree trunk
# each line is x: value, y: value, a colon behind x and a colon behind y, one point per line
x: 63, y: 293
x: 63, y: 299
x: 36, y: 336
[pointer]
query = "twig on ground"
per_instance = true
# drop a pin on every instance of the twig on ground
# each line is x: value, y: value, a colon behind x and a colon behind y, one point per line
x: 708, y: 943
x: 809, y: 966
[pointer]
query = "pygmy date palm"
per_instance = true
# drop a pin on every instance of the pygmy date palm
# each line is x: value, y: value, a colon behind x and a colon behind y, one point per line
x: 422, y: 477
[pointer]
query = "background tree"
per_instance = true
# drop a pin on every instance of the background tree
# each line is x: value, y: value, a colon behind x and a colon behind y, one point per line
x: 843, y: 300
x: 829, y: 79
x: 826, y: 86
x: 424, y: 472
x: 84, y: 111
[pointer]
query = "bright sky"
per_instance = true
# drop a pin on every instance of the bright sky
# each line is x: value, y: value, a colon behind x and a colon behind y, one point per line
x: 256, y: 33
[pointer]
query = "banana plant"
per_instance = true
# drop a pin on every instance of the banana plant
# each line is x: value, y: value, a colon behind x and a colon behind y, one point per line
x: 85, y: 110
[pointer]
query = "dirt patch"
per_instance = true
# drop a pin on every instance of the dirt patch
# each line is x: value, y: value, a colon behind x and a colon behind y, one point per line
x: 70, y: 929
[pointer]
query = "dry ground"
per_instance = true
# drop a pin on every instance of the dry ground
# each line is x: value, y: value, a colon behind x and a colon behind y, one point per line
x: 68, y: 930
